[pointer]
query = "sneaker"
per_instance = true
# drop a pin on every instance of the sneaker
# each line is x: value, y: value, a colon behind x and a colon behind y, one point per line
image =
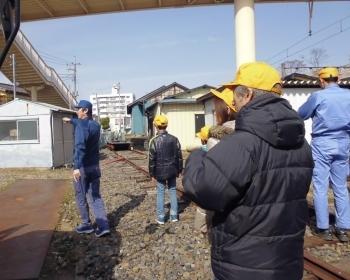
x: 160, y: 221
x: 174, y: 218
x: 101, y: 232
x: 84, y: 229
x: 341, y: 234
x: 325, y: 234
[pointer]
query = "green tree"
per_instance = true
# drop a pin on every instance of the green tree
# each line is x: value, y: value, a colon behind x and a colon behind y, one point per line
x: 105, y: 123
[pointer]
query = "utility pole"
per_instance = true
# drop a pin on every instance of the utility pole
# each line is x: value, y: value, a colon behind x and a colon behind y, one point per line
x: 69, y: 97
x: 14, y: 75
x: 74, y: 69
x: 283, y: 69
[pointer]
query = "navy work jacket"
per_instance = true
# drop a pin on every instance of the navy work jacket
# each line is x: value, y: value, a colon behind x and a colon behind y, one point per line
x: 86, y: 142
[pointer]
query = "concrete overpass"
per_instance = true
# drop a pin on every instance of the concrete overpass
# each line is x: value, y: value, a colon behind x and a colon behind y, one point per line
x: 44, y: 82
x: 34, y: 75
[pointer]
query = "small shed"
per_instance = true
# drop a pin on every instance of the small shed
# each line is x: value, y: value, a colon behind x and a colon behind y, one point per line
x: 32, y: 134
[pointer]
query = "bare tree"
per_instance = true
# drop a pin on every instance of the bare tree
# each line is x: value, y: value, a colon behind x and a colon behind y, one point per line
x: 292, y: 66
x: 317, y: 56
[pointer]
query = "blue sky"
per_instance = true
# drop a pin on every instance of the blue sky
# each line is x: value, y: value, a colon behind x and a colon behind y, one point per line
x: 192, y: 46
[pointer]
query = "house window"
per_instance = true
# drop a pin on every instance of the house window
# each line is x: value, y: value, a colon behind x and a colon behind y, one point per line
x: 22, y: 131
x: 199, y: 121
x: 117, y: 121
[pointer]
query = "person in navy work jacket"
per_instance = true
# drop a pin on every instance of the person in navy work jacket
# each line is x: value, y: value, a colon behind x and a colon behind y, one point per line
x: 87, y: 172
x: 256, y: 181
x: 329, y: 109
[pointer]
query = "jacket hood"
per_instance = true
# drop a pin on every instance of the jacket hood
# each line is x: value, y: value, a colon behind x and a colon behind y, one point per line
x: 273, y: 120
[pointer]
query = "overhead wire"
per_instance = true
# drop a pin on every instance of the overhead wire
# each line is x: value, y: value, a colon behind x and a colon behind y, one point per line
x: 54, y: 57
x: 311, y: 45
x: 320, y: 30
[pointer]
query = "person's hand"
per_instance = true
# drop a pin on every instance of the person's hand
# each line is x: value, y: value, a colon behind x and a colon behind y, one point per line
x: 66, y: 120
x: 179, y: 176
x: 153, y: 179
x: 76, y: 175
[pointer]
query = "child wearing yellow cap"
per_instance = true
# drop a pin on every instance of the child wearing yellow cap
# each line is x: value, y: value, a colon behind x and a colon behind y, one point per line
x: 204, y: 136
x: 165, y: 165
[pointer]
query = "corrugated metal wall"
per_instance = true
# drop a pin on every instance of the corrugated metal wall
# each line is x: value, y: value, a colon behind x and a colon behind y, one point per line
x: 137, y: 119
x: 181, y: 119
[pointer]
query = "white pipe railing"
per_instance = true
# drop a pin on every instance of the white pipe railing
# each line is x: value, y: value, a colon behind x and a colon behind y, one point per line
x: 47, y: 72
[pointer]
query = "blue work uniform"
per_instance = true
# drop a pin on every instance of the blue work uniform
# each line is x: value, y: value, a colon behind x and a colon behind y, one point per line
x: 330, y: 112
x: 86, y: 159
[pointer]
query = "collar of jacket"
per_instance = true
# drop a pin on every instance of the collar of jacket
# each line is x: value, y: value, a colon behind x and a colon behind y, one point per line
x: 332, y: 85
x: 162, y: 132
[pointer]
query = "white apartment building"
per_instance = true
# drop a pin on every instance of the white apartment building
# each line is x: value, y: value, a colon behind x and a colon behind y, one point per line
x: 113, y: 106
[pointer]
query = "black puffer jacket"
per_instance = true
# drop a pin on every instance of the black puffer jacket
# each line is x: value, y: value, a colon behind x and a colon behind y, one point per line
x: 256, y: 180
x: 165, y: 157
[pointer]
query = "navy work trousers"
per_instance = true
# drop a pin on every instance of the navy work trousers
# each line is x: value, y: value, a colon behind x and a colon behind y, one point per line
x: 89, y: 183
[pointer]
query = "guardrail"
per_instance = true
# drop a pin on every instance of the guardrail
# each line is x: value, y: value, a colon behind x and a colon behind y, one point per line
x: 47, y: 72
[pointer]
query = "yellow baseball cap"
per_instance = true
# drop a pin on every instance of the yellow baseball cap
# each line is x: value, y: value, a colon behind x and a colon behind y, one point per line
x: 257, y: 75
x: 226, y: 95
x: 160, y: 121
x: 204, y: 133
x: 328, y: 73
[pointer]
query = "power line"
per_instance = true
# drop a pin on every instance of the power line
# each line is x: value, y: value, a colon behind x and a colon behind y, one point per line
x: 308, y: 37
x: 54, y: 57
x: 54, y: 51
x: 310, y: 46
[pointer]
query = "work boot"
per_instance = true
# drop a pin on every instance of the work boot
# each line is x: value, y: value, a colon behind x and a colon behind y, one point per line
x: 325, y: 234
x: 341, y: 234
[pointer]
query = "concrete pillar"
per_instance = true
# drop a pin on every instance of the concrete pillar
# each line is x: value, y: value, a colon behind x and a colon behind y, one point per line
x: 244, y: 31
x: 34, y: 94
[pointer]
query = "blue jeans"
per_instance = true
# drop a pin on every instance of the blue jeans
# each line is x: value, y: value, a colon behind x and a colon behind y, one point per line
x: 89, y: 183
x: 161, y: 199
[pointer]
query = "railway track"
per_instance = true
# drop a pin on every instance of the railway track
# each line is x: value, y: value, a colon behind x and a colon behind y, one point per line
x: 139, y: 160
x: 323, y: 270
x: 315, y: 267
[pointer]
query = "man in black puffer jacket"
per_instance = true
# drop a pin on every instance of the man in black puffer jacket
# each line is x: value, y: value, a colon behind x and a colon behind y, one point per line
x: 165, y: 164
x: 256, y: 180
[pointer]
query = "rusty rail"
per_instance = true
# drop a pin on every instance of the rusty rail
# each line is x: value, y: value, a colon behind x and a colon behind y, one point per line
x: 180, y: 192
x: 322, y: 269
x: 139, y: 168
x: 139, y: 152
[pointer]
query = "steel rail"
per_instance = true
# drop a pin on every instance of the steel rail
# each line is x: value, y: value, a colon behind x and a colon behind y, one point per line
x: 139, y: 168
x: 322, y: 269
x: 180, y: 192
